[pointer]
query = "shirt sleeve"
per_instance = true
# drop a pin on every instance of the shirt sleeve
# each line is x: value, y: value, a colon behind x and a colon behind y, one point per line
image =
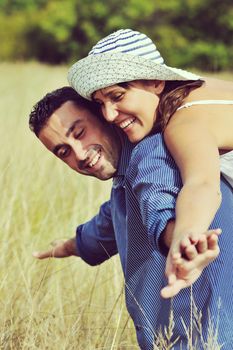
x: 156, y: 182
x: 96, y: 239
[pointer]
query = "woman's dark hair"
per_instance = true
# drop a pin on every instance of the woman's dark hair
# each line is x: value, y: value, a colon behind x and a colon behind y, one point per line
x: 171, y: 98
x: 44, y: 108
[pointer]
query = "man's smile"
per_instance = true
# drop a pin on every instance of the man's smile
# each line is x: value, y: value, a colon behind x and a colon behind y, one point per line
x: 95, y: 159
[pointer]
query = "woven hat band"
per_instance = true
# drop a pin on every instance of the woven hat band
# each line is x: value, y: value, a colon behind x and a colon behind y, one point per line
x: 128, y: 42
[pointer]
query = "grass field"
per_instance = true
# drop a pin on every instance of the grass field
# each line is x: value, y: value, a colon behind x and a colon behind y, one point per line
x: 51, y: 304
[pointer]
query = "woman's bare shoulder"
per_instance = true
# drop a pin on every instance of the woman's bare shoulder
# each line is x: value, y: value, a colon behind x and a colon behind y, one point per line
x: 214, y: 119
x: 216, y: 87
x: 212, y: 89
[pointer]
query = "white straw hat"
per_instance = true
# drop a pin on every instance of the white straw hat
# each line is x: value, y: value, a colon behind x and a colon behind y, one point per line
x: 122, y: 56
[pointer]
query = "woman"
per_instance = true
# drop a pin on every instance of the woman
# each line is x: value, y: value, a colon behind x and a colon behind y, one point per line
x: 126, y: 74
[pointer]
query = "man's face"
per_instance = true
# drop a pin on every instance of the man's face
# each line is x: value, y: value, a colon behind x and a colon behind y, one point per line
x: 80, y: 140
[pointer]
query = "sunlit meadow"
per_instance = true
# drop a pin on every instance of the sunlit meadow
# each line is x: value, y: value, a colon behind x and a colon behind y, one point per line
x: 55, y: 303
x: 50, y: 304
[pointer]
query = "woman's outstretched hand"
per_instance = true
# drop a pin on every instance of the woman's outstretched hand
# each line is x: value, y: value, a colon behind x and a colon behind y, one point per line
x: 183, y: 268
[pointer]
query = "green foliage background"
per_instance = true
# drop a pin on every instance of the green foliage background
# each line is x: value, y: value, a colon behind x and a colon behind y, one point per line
x: 189, y: 33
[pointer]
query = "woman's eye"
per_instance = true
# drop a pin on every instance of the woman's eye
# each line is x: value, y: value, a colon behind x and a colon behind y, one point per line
x: 77, y: 135
x: 118, y: 96
x: 98, y: 102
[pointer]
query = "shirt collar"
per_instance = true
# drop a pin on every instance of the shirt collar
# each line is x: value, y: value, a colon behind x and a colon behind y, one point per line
x: 126, y: 150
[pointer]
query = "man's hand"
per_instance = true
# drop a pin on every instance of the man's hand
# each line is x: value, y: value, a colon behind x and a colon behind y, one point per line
x: 61, y: 249
x: 184, y: 268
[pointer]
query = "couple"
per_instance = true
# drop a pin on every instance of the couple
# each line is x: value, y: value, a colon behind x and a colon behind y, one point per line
x: 139, y: 220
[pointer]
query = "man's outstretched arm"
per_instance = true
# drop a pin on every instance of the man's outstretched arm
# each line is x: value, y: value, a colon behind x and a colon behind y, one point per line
x: 61, y: 249
x: 94, y: 242
x: 156, y: 182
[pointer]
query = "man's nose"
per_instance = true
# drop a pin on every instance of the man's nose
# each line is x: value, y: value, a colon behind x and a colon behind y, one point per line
x: 80, y: 153
x: 110, y: 112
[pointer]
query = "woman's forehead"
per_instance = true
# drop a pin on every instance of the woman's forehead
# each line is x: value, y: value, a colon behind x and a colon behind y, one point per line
x: 104, y: 92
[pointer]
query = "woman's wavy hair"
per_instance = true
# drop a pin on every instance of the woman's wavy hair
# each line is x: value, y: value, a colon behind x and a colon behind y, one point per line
x: 172, y: 98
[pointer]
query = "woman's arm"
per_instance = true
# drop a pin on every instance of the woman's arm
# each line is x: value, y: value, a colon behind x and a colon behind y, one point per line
x: 193, y: 145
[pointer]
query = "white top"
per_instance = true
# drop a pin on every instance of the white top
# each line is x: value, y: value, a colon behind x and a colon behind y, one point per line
x: 226, y: 160
x: 206, y: 102
x: 226, y: 166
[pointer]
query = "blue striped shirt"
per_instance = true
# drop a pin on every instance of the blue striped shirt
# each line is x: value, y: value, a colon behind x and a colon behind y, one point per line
x: 142, y: 201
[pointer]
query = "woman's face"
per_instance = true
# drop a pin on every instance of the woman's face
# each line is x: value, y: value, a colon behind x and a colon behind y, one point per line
x: 131, y: 108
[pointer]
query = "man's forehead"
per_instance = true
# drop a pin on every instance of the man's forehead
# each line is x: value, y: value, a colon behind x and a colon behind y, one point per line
x: 69, y: 112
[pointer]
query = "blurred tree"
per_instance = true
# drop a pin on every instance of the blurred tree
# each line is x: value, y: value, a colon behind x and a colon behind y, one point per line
x: 49, y: 35
x: 187, y: 32
x: 11, y: 6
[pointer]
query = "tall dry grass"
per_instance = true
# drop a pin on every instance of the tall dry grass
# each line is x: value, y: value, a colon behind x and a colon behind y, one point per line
x: 52, y: 304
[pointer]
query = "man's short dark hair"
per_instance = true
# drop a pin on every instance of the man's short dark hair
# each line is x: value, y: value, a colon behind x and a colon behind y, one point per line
x: 44, y: 108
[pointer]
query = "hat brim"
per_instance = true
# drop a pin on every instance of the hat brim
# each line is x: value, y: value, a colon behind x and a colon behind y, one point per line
x: 96, y: 72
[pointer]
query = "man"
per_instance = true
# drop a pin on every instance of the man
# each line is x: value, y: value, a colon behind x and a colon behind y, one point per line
x: 134, y: 221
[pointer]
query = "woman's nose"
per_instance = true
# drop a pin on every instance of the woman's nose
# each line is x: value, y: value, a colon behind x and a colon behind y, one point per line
x: 110, y: 112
